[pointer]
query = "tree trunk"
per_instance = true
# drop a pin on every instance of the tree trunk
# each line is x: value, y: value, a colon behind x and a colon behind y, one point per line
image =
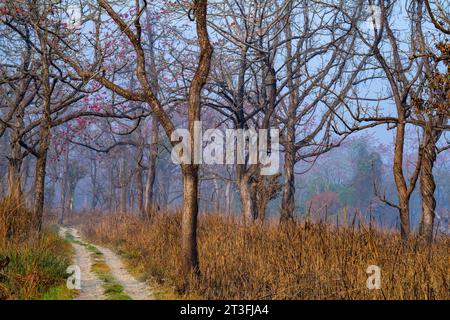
x: 217, y: 195
x: 249, y: 208
x: 427, y: 189
x: 112, y: 194
x: 39, y: 185
x: 14, y: 166
x: 41, y: 161
x: 190, y: 172
x: 262, y: 202
x: 15, y: 161
x: 140, y: 191
x: 44, y: 133
x: 64, y: 185
x: 190, y: 264
x: 25, y: 172
x: 94, y: 184
x: 227, y: 198
x: 402, y: 190
x: 288, y: 200
x: 123, y: 187
x: 151, y: 173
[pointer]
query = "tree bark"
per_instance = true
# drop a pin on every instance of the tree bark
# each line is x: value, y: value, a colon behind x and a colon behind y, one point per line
x: 123, y: 187
x: 428, y: 185
x: 246, y: 192
x: 402, y: 189
x: 427, y: 188
x: 249, y: 208
x: 151, y: 171
x: 190, y: 263
x: 217, y: 196
x: 14, y: 166
x: 139, y: 184
x: 15, y: 161
x: 262, y: 202
x: 227, y: 198
x: 64, y: 185
x: 25, y: 172
x: 94, y: 184
x: 39, y: 185
x: 288, y: 200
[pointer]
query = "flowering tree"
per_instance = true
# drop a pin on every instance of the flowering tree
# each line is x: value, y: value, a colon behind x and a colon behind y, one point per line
x: 147, y: 94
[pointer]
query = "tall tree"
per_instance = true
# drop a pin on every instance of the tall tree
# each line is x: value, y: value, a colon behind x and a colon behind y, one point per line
x: 146, y: 94
x: 431, y: 112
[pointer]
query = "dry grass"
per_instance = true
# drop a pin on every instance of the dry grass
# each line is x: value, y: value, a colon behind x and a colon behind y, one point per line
x: 37, y: 265
x: 16, y: 222
x: 269, y: 262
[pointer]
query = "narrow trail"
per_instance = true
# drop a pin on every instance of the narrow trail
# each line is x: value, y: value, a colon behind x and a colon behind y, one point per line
x: 135, y: 289
x: 91, y: 285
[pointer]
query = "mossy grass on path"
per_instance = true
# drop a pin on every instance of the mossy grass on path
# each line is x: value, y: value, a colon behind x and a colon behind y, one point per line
x: 112, y: 289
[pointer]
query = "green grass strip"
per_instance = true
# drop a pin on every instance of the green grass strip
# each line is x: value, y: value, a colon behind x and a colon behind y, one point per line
x: 113, y: 290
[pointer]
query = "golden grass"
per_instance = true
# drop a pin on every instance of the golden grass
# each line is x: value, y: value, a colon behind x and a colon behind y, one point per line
x: 16, y: 222
x: 36, y: 267
x: 268, y: 262
x: 37, y: 264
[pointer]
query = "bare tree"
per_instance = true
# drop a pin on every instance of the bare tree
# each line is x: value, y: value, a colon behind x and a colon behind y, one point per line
x: 146, y: 94
x: 314, y: 90
x: 402, y: 76
x: 431, y: 113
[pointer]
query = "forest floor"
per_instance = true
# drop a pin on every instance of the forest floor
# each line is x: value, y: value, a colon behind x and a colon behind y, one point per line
x: 103, y: 274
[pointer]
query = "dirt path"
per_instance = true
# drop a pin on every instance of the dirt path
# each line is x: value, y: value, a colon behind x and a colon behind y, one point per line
x: 91, y: 286
x: 135, y: 289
